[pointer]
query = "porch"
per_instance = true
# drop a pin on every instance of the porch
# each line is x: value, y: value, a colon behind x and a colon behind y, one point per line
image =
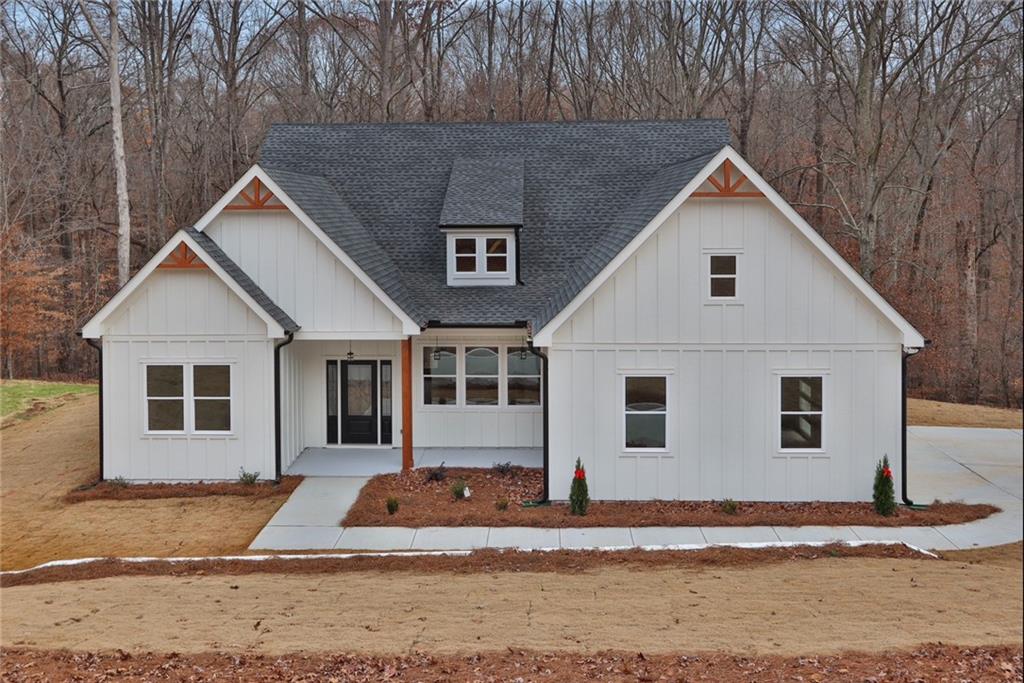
x: 370, y: 461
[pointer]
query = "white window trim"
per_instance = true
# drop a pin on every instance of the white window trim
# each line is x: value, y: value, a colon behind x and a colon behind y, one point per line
x: 460, y: 379
x: 667, y: 375
x: 424, y: 376
x: 188, y: 417
x: 708, y: 253
x: 481, y: 276
x: 778, y: 413
x: 502, y: 385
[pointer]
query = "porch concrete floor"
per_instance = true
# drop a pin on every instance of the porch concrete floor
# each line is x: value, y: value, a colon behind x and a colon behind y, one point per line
x: 951, y: 464
x: 367, y: 462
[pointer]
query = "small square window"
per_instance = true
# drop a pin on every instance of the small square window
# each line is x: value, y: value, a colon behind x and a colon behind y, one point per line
x: 722, y: 270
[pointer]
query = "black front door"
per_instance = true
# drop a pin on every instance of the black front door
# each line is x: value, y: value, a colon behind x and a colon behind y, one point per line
x: 359, y: 401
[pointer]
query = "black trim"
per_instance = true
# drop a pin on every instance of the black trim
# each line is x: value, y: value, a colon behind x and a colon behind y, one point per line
x: 289, y: 338
x: 519, y: 279
x: 99, y: 369
x: 545, y: 497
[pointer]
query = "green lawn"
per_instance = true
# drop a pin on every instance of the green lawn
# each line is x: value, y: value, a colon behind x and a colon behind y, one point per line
x: 17, y: 394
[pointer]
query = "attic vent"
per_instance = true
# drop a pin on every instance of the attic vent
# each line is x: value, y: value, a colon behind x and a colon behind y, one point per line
x: 484, y: 193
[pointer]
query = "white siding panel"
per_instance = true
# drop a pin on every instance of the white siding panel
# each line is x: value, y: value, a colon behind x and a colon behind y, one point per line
x: 795, y: 312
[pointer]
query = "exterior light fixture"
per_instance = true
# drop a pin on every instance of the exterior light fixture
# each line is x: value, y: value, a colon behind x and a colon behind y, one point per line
x: 350, y: 355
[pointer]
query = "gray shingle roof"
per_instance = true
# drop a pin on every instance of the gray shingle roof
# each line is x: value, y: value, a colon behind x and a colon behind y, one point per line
x: 484, y: 192
x: 588, y: 188
x: 243, y: 280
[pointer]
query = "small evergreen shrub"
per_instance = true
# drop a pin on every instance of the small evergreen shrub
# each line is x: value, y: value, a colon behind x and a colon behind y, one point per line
x: 439, y: 473
x: 392, y: 504
x: 579, y: 496
x: 505, y: 469
x: 247, y: 478
x: 459, y: 489
x: 501, y: 504
x: 884, y: 495
x: 730, y: 506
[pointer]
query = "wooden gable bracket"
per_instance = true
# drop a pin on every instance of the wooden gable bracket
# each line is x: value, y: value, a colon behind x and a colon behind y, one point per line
x: 726, y: 187
x: 182, y: 258
x: 257, y: 201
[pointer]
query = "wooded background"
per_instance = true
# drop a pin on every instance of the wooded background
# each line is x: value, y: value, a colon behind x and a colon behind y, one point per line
x: 895, y: 128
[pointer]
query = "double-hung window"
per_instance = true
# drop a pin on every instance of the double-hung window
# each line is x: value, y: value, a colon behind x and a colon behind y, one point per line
x: 524, y: 377
x: 646, y: 412
x: 440, y: 373
x: 801, y: 413
x: 482, y: 376
x: 722, y: 276
x: 205, y: 389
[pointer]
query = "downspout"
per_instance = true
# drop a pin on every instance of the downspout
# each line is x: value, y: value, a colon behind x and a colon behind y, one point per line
x: 289, y: 338
x: 99, y: 348
x: 545, y: 497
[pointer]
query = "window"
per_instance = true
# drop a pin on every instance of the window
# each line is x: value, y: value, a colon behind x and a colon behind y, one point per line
x: 439, y: 375
x: 206, y: 388
x: 801, y: 413
x: 646, y: 407
x: 483, y: 259
x: 165, y: 398
x: 524, y: 377
x: 497, y: 255
x: 481, y: 376
x: 722, y: 276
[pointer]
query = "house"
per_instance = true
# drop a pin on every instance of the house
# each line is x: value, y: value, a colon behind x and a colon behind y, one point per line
x: 630, y: 293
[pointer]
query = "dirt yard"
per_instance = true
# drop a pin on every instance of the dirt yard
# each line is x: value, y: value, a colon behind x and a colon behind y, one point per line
x: 431, y: 503
x: 821, y: 606
x: 44, y: 457
x: 939, y: 414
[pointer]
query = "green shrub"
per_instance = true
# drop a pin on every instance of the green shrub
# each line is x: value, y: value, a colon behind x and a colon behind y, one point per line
x: 884, y: 495
x: 579, y: 496
x: 501, y: 504
x: 730, y: 506
x: 247, y: 478
x: 392, y: 504
x: 458, y: 489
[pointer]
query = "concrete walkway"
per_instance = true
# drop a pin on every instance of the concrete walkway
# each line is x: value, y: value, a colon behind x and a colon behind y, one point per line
x: 950, y: 464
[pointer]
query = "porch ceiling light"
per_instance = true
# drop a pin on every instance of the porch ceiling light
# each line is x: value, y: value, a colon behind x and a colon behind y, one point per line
x: 350, y: 355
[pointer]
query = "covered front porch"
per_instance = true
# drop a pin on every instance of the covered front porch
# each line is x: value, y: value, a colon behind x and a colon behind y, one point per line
x: 370, y: 461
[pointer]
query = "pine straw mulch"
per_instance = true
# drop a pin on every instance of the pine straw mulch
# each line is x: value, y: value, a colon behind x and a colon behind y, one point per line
x: 430, y: 503
x: 486, y: 561
x: 931, y: 662
x: 114, y: 490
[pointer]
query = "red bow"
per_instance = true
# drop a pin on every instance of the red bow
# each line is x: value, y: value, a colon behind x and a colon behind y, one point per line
x: 580, y: 474
x: 887, y: 473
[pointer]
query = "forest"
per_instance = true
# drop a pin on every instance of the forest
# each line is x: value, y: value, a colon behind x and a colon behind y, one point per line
x: 895, y: 127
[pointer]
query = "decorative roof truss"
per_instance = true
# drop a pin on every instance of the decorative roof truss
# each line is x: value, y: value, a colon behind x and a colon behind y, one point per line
x: 182, y: 258
x: 727, y: 186
x: 256, y: 197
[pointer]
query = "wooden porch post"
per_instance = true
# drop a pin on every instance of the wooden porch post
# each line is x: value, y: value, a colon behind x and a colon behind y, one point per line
x: 407, y: 462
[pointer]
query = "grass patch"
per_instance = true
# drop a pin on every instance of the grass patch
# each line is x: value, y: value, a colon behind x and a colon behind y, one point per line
x: 20, y: 396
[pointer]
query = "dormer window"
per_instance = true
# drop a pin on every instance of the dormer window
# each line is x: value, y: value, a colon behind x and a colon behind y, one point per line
x: 481, y: 258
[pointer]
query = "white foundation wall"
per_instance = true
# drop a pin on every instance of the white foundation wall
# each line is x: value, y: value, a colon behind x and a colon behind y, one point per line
x: 310, y: 362
x: 179, y: 317
x: 300, y: 274
x: 795, y: 312
x: 459, y: 426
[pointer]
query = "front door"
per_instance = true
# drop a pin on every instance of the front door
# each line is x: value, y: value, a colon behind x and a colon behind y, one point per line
x: 359, y: 401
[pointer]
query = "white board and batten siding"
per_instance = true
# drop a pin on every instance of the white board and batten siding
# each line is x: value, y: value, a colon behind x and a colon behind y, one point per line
x: 300, y: 274
x: 794, y: 312
x: 186, y: 316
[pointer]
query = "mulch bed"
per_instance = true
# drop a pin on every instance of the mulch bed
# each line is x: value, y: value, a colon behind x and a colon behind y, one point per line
x: 489, y: 560
x: 932, y: 662
x: 112, y: 490
x: 430, y: 503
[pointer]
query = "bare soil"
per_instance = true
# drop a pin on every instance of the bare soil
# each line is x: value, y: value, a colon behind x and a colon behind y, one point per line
x: 489, y: 560
x: 823, y: 607
x: 431, y: 503
x: 44, y: 457
x: 933, y: 662
x: 927, y: 413
x: 112, y: 490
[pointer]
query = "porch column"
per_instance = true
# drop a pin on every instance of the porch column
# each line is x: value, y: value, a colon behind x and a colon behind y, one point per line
x: 407, y: 463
